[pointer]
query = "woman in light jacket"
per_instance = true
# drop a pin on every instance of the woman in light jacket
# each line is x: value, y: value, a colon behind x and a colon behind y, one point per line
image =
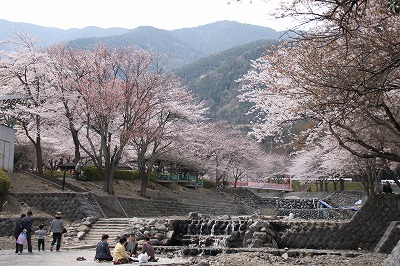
x: 56, y: 227
x: 120, y: 255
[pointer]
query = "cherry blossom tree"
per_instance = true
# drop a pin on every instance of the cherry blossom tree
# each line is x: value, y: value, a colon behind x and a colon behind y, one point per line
x: 112, y: 104
x: 62, y: 68
x: 172, y: 111
x: 345, y: 83
x: 23, y: 72
x: 116, y: 99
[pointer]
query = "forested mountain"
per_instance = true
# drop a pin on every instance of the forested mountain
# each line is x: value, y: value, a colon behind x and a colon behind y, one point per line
x: 48, y: 36
x: 148, y: 38
x: 219, y: 36
x: 185, y: 46
x: 212, y: 79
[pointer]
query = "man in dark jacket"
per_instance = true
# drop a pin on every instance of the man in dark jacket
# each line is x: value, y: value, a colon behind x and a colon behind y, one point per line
x: 26, y: 223
x: 102, y: 250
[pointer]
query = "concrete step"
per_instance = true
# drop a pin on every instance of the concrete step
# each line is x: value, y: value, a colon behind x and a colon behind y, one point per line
x: 112, y: 227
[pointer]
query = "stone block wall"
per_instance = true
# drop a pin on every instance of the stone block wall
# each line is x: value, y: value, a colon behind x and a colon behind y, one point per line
x: 74, y: 206
x: 364, y: 230
x: 7, y: 225
x: 317, y: 214
x: 154, y: 208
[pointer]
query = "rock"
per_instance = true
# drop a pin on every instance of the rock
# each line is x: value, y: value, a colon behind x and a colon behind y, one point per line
x: 256, y: 243
x: 92, y: 220
x: 81, y: 235
x: 194, y: 215
x: 87, y: 223
x: 225, y: 217
x: 261, y: 236
x: 83, y: 228
x: 285, y: 256
x: 256, y: 226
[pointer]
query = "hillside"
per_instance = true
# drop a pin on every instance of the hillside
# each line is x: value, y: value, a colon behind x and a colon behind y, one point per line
x: 48, y: 36
x: 185, y: 46
x: 213, y: 80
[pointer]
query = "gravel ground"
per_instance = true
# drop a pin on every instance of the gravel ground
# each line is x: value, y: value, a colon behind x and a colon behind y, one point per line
x: 261, y: 259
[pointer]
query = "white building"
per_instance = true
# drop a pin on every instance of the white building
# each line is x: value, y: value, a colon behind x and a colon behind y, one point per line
x: 7, y: 140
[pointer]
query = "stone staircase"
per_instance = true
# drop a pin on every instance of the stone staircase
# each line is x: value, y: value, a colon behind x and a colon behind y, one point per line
x: 110, y: 226
x: 109, y: 212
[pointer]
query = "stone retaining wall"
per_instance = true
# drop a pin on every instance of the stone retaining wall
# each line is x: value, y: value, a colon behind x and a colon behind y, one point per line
x: 316, y: 214
x: 74, y: 206
x: 364, y: 230
x: 154, y: 208
x: 7, y: 225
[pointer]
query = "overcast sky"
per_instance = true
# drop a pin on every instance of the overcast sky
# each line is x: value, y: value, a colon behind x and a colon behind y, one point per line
x: 162, y: 14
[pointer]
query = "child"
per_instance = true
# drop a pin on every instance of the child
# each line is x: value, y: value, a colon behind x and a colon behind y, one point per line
x: 41, y: 235
x: 21, y: 240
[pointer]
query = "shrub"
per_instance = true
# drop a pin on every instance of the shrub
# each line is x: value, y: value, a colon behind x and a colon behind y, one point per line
x: 208, y: 183
x: 92, y: 174
x: 4, y: 182
x: 153, y: 177
x: 126, y: 175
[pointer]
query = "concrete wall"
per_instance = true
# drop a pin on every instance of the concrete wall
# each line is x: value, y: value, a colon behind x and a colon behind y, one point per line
x: 7, y: 140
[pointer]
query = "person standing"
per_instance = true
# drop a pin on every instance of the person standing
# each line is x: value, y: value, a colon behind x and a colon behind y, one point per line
x: 17, y: 231
x: 21, y: 240
x: 56, y: 227
x: 102, y: 250
x: 26, y: 223
x: 78, y: 170
x: 41, y: 236
x: 387, y: 189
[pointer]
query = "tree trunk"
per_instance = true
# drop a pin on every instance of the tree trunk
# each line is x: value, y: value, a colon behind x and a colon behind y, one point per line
x: 144, y: 178
x: 39, y: 157
x: 75, y: 139
x: 341, y: 184
x: 321, y: 185
x: 143, y: 185
x: 108, y: 185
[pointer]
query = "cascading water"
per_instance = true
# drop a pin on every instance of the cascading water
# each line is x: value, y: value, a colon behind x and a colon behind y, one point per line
x: 213, y: 229
x: 201, y: 229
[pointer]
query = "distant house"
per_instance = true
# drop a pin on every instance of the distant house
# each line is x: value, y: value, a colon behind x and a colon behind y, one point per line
x: 7, y: 140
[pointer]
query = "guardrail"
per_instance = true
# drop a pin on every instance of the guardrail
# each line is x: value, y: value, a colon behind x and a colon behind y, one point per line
x: 263, y: 185
x: 180, y: 178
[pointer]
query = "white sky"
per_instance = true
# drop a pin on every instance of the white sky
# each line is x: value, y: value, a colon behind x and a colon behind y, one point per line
x: 162, y: 14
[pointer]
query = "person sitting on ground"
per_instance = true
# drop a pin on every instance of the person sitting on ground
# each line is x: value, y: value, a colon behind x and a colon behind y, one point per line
x: 102, y: 250
x: 149, y: 249
x: 386, y: 188
x: 120, y: 255
x: 132, y: 247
